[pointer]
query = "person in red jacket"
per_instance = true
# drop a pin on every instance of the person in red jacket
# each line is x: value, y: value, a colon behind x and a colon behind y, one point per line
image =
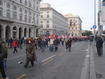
x: 14, y: 45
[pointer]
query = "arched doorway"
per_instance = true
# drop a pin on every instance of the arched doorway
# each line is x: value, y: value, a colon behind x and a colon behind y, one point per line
x: 0, y: 32
x: 29, y: 32
x: 25, y: 32
x: 14, y: 32
x: 7, y: 32
x: 20, y: 33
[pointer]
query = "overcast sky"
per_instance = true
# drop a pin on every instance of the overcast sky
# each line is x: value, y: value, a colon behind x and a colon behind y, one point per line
x: 82, y: 8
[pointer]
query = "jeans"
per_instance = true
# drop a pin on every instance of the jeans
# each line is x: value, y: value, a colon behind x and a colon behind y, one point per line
x: 2, y: 70
x: 15, y: 50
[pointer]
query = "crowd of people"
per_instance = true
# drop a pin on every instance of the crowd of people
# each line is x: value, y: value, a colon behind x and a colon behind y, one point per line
x: 31, y: 44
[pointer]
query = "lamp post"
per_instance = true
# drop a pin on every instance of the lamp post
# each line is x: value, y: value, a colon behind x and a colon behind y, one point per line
x: 94, y: 12
x: 94, y: 26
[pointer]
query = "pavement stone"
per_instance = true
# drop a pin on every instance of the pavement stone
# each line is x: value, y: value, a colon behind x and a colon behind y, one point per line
x: 99, y: 63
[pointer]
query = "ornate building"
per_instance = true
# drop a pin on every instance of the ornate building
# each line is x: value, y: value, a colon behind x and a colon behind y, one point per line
x: 51, y: 21
x: 19, y: 18
x: 74, y: 24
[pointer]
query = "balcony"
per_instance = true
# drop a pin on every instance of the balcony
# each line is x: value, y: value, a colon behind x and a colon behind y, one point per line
x: 6, y: 19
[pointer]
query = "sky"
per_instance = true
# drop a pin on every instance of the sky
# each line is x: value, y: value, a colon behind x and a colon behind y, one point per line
x: 82, y: 8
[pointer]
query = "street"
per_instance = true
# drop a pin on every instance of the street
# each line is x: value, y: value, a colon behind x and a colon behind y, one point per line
x: 50, y: 65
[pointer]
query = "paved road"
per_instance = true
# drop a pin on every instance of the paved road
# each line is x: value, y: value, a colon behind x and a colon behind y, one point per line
x: 50, y: 65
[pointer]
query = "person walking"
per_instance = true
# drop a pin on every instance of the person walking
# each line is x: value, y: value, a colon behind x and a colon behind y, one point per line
x: 62, y: 41
x: 56, y: 42
x: 30, y: 53
x: 3, y: 55
x: 99, y: 45
x: 51, y: 45
x: 14, y: 45
x: 69, y: 43
x: 5, y: 50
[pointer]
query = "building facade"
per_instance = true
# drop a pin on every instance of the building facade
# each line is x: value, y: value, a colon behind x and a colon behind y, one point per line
x: 19, y: 18
x: 102, y: 13
x: 51, y: 21
x: 74, y: 24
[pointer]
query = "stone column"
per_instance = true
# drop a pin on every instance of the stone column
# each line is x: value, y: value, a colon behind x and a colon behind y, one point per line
x: 32, y: 32
x: 3, y: 32
x: 22, y: 32
x: 27, y: 32
x: 17, y: 33
x: 11, y: 32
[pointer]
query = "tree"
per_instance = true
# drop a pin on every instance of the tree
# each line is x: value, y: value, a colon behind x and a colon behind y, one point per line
x: 87, y: 33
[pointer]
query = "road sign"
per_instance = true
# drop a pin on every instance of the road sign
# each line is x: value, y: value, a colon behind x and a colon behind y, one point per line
x: 94, y: 26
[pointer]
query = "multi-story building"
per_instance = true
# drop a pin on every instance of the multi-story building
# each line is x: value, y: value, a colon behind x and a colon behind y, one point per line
x: 74, y: 24
x: 19, y: 18
x: 102, y: 13
x: 51, y: 21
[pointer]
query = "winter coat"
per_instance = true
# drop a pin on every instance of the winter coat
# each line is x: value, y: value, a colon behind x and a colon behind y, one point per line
x: 3, y: 52
x: 30, y: 51
x: 69, y: 42
x: 99, y: 42
x: 14, y: 43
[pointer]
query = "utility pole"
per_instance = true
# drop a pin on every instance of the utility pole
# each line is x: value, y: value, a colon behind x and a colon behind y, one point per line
x: 94, y: 12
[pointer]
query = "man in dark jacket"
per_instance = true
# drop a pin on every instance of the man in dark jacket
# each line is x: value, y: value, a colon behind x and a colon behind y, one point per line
x: 3, y: 54
x: 56, y: 42
x: 99, y: 45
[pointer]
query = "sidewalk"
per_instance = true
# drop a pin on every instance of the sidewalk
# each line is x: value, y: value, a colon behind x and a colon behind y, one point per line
x: 99, y: 63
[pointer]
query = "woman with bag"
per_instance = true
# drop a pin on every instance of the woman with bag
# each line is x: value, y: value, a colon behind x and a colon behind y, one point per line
x: 30, y: 53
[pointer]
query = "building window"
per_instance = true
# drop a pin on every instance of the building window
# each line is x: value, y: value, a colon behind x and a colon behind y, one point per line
x: 8, y: 14
x: 47, y: 16
x: 1, y: 2
x: 25, y: 2
x: 25, y: 18
x: 47, y: 11
x: 29, y: 19
x: 20, y: 17
x: 14, y: 15
x: 30, y: 13
x: 8, y: 5
x: 25, y: 11
x: 42, y: 26
x: 1, y: 12
x: 70, y: 22
x: 29, y: 4
x: 37, y: 2
x: 41, y: 16
x: 14, y: 7
x: 20, y: 9
x: 47, y: 21
x: 47, y: 26
x: 41, y: 21
x: 74, y: 24
x: 20, y: 1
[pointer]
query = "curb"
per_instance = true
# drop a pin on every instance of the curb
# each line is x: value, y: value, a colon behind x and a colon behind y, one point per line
x: 92, y: 74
